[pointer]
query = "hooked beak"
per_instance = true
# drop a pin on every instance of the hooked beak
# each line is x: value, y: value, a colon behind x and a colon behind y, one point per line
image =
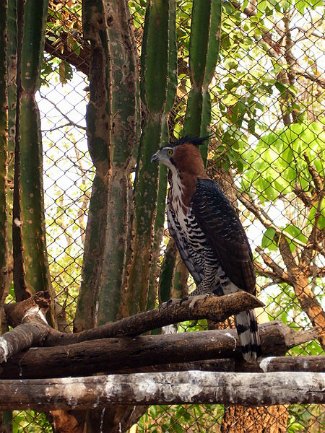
x: 155, y: 157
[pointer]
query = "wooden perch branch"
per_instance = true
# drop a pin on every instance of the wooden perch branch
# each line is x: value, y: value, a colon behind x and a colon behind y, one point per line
x: 213, y: 308
x: 33, y: 328
x: 252, y: 389
x: 314, y: 364
x: 116, y: 354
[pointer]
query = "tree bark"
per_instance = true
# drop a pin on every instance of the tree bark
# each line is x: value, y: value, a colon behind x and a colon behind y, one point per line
x: 33, y: 328
x: 250, y: 389
x: 212, y: 307
x: 271, y: 419
x: 315, y: 364
x: 115, y: 354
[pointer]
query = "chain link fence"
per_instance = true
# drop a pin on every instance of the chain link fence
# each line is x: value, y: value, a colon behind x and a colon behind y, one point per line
x: 267, y: 124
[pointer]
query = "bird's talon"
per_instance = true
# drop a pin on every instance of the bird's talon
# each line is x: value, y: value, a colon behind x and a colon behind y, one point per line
x: 170, y: 302
x: 186, y: 298
x: 198, y: 298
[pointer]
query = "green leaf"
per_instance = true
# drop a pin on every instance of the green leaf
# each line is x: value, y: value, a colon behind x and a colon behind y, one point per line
x: 321, y: 218
x: 295, y: 232
x: 230, y: 100
x: 280, y: 86
x: 268, y: 239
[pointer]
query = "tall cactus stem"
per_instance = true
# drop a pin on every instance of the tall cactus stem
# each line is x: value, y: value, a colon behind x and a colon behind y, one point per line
x: 204, y: 51
x: 113, y: 129
x: 12, y: 101
x: 203, y: 55
x: 30, y: 148
x: 158, y: 86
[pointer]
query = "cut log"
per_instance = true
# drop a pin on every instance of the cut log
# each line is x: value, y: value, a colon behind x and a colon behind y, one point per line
x: 32, y: 327
x: 314, y: 364
x: 115, y: 354
x: 21, y: 312
x: 249, y: 389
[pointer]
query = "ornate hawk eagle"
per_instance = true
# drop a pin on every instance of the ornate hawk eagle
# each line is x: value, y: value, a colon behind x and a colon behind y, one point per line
x: 208, y: 233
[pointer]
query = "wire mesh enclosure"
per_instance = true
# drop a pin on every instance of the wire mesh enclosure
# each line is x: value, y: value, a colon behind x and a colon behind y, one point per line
x: 266, y: 151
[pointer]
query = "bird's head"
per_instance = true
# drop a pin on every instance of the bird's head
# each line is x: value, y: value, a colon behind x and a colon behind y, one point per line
x: 183, y: 154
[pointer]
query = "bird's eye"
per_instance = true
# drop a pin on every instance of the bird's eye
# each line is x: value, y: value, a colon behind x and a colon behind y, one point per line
x: 170, y: 152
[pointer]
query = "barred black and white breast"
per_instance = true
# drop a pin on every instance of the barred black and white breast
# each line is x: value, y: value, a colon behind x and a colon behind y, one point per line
x: 215, y: 249
x: 208, y: 233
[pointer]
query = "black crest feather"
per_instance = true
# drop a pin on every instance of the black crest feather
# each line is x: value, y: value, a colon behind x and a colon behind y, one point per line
x: 197, y: 141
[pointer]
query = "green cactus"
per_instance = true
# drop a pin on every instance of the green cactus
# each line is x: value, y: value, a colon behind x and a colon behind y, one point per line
x: 167, y: 270
x: 29, y: 212
x: 158, y: 236
x: 162, y: 180
x: 12, y: 102
x: 204, y: 51
x: 203, y: 55
x: 112, y: 125
x: 3, y: 149
x: 158, y: 86
x: 124, y: 138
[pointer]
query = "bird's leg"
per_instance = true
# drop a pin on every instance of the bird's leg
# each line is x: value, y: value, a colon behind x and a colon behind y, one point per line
x: 201, y: 292
x: 171, y: 301
x: 196, y: 298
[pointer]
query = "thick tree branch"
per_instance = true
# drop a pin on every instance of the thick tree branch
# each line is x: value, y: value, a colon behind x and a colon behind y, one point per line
x: 314, y: 364
x: 317, y: 179
x: 116, y: 354
x: 212, y: 308
x: 38, y: 331
x: 303, y: 196
x: 33, y: 328
x: 277, y: 270
x: 305, y: 295
x: 251, y: 389
x: 317, y: 235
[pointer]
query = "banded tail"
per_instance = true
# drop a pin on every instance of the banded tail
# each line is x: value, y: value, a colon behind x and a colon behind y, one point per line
x: 249, y: 338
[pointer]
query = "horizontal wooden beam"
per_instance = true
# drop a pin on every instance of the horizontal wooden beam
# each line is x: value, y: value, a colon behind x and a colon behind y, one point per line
x: 314, y: 364
x: 249, y: 389
x: 113, y: 355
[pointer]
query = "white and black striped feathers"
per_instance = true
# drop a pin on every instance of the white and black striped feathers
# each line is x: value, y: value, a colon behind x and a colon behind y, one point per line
x: 209, y: 234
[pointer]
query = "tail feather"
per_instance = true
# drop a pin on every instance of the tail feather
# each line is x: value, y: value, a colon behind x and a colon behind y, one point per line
x: 249, y: 338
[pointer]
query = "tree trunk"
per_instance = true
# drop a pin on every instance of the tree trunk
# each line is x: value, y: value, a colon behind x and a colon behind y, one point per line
x: 241, y: 419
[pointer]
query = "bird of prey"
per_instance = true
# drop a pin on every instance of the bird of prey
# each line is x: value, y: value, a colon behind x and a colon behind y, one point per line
x: 208, y: 233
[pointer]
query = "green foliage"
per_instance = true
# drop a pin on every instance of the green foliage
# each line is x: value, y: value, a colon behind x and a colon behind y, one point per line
x: 268, y: 239
x: 276, y: 165
x: 64, y: 33
x: 30, y: 422
x: 282, y: 304
x: 309, y: 419
x: 179, y: 419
